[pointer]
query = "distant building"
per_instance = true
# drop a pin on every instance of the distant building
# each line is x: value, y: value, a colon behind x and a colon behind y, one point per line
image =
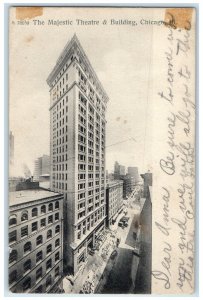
x: 129, y: 184
x: 147, y: 179
x: 42, y: 167
x: 133, y: 172
x: 119, y: 171
x: 20, y: 183
x: 35, y: 241
x: 116, y: 170
x: 109, y: 177
x: 114, y: 200
x: 11, y: 149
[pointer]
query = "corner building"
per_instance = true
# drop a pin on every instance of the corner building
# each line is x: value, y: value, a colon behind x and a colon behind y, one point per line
x: 35, y: 241
x: 77, y: 140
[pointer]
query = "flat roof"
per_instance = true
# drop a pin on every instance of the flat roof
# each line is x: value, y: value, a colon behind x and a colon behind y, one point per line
x: 24, y: 196
x: 114, y: 182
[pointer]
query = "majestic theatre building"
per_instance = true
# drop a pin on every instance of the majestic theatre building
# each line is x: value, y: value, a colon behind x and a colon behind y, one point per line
x: 77, y: 140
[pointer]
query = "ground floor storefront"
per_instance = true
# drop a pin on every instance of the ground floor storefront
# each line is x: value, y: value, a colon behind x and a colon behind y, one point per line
x: 81, y: 252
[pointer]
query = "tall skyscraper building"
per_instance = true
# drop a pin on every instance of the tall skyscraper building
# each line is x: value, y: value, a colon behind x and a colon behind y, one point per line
x: 77, y: 150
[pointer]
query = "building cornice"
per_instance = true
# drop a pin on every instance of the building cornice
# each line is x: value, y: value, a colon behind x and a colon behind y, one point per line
x: 26, y: 204
x: 68, y: 50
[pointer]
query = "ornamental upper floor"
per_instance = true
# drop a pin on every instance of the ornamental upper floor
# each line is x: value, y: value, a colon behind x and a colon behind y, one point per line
x: 72, y: 67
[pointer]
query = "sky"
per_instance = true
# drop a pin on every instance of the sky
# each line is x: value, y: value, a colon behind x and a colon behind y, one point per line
x: 120, y: 56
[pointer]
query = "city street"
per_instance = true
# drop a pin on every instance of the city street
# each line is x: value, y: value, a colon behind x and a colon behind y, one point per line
x: 120, y: 273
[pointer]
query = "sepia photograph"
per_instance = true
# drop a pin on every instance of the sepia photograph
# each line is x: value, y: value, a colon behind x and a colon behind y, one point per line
x: 101, y: 150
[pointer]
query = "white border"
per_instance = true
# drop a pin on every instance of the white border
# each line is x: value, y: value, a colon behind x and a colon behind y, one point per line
x: 3, y: 130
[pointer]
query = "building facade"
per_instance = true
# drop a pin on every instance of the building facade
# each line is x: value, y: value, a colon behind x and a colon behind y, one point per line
x: 35, y: 241
x: 77, y: 148
x: 114, y: 200
x: 42, y: 167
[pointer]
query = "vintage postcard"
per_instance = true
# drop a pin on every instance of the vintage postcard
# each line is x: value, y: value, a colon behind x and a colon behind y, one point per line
x: 101, y: 150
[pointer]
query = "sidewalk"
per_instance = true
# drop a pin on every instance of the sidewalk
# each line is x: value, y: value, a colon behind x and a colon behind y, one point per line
x: 95, y: 263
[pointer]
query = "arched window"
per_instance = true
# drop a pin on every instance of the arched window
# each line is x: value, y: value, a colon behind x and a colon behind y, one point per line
x: 57, y: 256
x: 43, y: 209
x: 27, y: 265
x: 49, y: 233
x: 13, y: 276
x: 34, y: 212
x: 48, y: 281
x: 57, y: 243
x: 13, y: 256
x: 50, y: 206
x: 49, y: 264
x: 39, y: 256
x: 39, y: 240
x: 12, y: 220
x: 56, y: 204
x: 57, y: 229
x: 57, y: 270
x: 39, y: 290
x: 39, y: 273
x: 24, y: 216
x: 27, y: 284
x: 27, y: 247
x: 49, y: 248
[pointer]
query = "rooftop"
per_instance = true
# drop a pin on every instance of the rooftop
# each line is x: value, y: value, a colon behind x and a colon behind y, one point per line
x: 74, y: 44
x: 25, y: 196
x: 114, y: 182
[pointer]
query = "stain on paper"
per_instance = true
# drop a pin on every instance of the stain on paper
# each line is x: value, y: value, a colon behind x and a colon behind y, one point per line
x: 28, y: 12
x: 29, y: 38
x: 178, y: 18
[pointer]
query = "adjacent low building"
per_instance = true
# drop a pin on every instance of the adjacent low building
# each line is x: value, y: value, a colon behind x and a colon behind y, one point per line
x: 143, y: 277
x: 114, y: 200
x: 35, y: 241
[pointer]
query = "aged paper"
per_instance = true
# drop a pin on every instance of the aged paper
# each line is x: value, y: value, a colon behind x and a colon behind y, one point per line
x: 134, y: 69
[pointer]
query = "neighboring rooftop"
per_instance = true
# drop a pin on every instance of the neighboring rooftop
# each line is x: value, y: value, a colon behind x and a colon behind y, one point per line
x: 25, y: 196
x: 114, y: 182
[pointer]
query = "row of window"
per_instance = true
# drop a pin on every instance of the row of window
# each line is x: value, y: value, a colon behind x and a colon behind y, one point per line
x: 34, y: 227
x: 83, y: 119
x: 26, y: 285
x: 28, y: 264
x: 91, y: 94
x: 34, y: 213
x: 89, y: 223
x: 13, y: 257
